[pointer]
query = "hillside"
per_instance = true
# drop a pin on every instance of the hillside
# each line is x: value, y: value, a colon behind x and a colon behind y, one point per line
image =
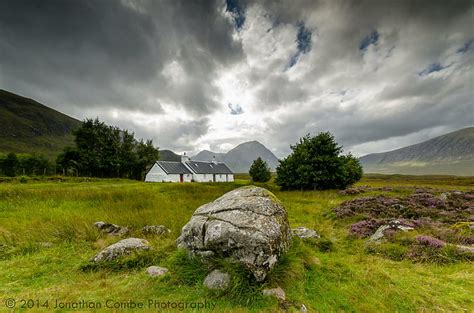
x: 27, y: 126
x: 451, y: 154
x: 168, y: 155
x: 241, y: 157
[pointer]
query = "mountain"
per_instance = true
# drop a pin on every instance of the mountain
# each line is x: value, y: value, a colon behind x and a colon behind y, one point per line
x: 449, y: 154
x: 168, y: 155
x: 206, y: 155
x: 27, y: 126
x: 241, y: 157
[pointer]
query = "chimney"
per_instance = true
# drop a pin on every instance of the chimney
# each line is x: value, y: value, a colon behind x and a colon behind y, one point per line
x: 184, y: 157
x: 214, y: 159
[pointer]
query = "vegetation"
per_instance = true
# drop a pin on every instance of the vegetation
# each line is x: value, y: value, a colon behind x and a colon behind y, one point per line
x: 259, y: 171
x: 27, y: 126
x: 47, y: 238
x: 316, y: 163
x: 107, y: 151
x: 13, y: 164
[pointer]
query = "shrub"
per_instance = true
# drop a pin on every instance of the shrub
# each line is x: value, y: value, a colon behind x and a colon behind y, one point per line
x: 23, y: 179
x: 430, y: 242
x: 259, y: 171
x: 317, y: 163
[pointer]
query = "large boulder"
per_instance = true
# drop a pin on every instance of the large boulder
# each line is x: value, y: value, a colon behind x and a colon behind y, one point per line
x: 247, y: 225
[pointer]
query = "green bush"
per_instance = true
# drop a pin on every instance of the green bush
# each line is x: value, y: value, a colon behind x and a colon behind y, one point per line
x: 259, y: 171
x: 23, y: 179
x: 316, y: 163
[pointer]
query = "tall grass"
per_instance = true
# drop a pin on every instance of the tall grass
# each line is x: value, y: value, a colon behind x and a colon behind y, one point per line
x: 332, y: 274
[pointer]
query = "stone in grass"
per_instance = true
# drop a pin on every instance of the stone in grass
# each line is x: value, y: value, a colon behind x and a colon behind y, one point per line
x: 462, y: 248
x: 155, y: 271
x: 111, y: 229
x: 248, y: 225
x: 217, y: 280
x: 304, y: 232
x: 275, y: 292
x: 155, y: 230
x: 392, y: 225
x: 121, y: 248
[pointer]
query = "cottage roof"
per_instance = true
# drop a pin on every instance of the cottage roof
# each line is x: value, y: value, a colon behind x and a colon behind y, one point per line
x: 173, y: 167
x: 200, y: 167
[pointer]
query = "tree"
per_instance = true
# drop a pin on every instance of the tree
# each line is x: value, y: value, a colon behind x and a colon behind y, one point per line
x: 259, y: 171
x: 105, y: 151
x: 316, y: 163
x: 147, y: 155
x: 10, y: 164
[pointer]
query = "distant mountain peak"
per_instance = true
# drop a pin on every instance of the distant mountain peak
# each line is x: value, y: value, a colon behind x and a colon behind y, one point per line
x: 452, y: 153
x: 241, y: 156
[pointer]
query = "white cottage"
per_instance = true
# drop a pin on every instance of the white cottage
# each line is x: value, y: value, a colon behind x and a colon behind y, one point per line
x: 188, y: 170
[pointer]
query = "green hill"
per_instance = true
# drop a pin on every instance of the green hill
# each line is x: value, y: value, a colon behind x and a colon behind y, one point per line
x: 27, y: 126
x: 449, y: 154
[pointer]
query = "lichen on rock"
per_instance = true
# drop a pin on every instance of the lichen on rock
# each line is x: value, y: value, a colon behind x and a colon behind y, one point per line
x: 248, y: 225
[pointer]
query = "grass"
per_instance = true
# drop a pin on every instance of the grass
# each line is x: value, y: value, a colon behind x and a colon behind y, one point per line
x: 335, y: 273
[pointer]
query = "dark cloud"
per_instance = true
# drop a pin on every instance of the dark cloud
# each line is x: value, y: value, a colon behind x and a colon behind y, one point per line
x: 96, y: 53
x: 366, y: 70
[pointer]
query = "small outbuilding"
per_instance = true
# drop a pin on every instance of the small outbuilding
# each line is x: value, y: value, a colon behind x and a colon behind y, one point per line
x: 189, y: 171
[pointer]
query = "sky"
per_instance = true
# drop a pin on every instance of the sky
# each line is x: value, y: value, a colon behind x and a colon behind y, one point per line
x: 194, y: 75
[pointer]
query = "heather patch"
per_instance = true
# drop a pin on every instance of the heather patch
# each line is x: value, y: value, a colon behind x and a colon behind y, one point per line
x: 441, y: 222
x: 449, y: 208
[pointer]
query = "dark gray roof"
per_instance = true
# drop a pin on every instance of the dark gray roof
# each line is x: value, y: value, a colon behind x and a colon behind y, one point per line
x: 200, y: 167
x: 173, y: 167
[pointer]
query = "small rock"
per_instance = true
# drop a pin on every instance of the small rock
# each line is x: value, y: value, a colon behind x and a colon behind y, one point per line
x: 123, y: 247
x: 303, y: 309
x: 465, y: 248
x: 275, y: 292
x: 393, y: 225
x: 155, y: 271
x: 111, y: 229
x: 46, y: 244
x: 304, y: 232
x: 444, y: 196
x: 217, y: 280
x: 155, y: 230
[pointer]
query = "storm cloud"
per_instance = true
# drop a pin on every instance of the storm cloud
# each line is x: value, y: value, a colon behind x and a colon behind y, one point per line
x: 377, y: 74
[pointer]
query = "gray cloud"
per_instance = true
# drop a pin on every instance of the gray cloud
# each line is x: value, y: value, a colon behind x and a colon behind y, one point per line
x: 97, y: 53
x: 367, y: 70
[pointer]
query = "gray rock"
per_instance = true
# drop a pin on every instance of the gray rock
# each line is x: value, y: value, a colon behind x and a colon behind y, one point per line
x: 392, y: 225
x: 303, y: 309
x: 275, y: 292
x: 217, y: 280
x: 304, y: 232
x: 444, y: 196
x: 155, y: 230
x: 111, y: 229
x: 465, y: 248
x: 248, y: 225
x: 123, y: 247
x: 155, y: 271
x: 46, y: 244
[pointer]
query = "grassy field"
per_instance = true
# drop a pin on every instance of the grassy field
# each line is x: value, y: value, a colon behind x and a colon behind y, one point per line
x: 333, y: 274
